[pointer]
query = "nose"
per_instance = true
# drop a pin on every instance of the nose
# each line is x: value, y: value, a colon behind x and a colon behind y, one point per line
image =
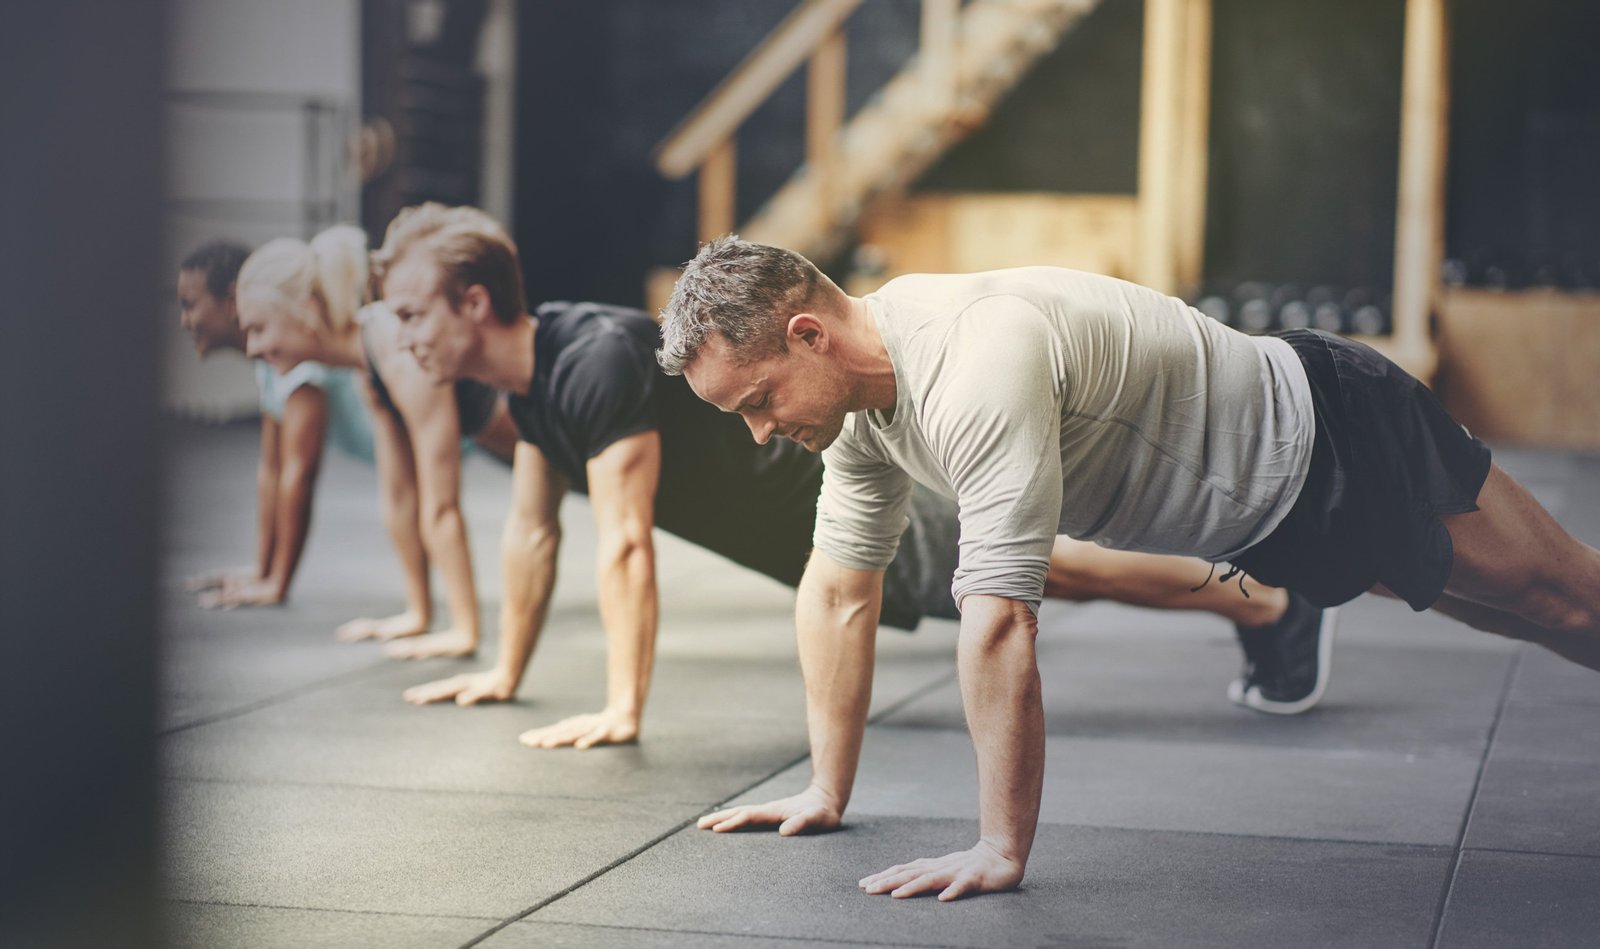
x: 253, y: 346
x: 760, y: 431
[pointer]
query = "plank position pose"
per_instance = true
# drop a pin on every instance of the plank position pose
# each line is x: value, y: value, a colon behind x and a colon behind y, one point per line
x: 300, y: 410
x: 302, y: 302
x: 1047, y: 401
x: 596, y: 415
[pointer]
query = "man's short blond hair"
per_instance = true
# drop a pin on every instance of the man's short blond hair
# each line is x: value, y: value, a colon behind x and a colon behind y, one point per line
x: 469, y: 247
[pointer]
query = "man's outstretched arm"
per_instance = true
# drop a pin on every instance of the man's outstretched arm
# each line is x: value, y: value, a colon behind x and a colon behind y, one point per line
x: 836, y: 622
x: 622, y: 486
x: 1000, y: 692
x: 528, y: 549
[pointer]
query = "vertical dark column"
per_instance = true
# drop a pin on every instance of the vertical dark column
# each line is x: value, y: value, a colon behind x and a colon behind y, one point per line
x: 419, y: 78
x: 80, y: 273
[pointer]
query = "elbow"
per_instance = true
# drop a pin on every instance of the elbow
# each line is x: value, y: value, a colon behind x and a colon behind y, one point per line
x: 626, y: 543
x: 525, y: 536
x: 441, y: 520
x: 840, y: 604
x: 297, y: 477
x: 996, y: 626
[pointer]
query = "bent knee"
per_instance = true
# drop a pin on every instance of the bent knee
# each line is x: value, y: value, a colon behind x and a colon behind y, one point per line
x: 1553, y: 609
x: 1079, y: 581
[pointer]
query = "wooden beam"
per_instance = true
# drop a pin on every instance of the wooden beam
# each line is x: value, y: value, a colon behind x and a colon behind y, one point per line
x: 938, y: 54
x: 1419, y: 215
x: 1192, y: 152
x: 824, y: 117
x: 720, y: 114
x: 1159, y: 104
x: 718, y: 177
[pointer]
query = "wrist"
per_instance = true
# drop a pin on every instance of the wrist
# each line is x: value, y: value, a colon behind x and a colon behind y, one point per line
x: 507, y: 678
x: 1004, y: 848
x: 829, y: 797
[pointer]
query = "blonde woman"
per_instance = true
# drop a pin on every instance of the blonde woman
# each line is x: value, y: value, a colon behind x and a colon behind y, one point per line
x: 302, y: 302
x: 300, y: 411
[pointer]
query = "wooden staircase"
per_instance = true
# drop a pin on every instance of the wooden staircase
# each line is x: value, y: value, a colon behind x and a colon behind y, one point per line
x: 970, y: 57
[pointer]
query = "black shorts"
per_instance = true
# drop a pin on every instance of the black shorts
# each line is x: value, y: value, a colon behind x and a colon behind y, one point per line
x: 1386, y: 462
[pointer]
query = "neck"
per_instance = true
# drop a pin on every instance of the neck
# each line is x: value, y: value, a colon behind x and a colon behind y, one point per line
x: 505, y: 360
x: 867, y: 360
x: 344, y: 349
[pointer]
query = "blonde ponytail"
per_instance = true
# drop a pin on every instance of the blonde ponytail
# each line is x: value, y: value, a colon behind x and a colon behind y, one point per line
x: 292, y: 276
x: 341, y: 261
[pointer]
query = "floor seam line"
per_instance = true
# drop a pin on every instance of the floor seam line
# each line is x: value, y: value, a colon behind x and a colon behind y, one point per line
x: 715, y: 932
x: 255, y: 783
x: 319, y: 909
x: 1448, y: 890
x: 893, y: 707
x: 271, y: 700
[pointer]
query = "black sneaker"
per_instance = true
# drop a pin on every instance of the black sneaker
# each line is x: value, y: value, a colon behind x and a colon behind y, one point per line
x: 1286, y: 663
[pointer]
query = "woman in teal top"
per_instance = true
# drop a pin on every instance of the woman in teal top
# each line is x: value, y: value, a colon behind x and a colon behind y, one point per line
x: 299, y: 411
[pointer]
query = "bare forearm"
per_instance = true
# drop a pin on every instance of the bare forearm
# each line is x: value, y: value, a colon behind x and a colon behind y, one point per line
x: 836, y: 642
x: 446, y: 537
x: 528, y: 565
x: 296, y: 487
x: 266, y: 517
x: 405, y: 535
x: 629, y: 610
x: 1001, y: 694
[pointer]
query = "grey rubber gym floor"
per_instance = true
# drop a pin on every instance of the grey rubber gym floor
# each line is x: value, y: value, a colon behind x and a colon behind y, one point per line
x: 1442, y: 795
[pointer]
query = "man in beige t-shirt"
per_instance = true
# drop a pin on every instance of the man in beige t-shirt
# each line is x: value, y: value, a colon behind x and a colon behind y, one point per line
x: 1047, y: 401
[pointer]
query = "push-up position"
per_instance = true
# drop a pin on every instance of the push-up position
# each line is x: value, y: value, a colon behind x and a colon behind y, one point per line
x: 596, y: 415
x: 1047, y: 401
x: 300, y: 410
x: 302, y: 302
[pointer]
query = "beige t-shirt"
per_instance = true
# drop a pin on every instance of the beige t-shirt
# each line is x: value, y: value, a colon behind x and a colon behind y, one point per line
x: 1047, y: 401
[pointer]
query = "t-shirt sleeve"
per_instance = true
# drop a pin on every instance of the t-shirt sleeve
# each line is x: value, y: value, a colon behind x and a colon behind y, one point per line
x: 993, y: 418
x: 605, y: 390
x: 274, y: 388
x: 861, y: 511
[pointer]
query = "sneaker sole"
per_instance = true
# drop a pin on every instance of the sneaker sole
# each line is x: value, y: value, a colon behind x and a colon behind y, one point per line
x: 1253, y: 699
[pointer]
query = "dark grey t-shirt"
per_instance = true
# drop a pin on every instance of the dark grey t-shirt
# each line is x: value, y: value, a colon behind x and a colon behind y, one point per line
x: 596, y: 381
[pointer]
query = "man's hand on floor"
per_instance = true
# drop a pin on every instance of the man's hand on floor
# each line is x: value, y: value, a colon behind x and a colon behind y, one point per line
x: 811, y: 810
x: 983, y: 869
x: 608, y: 727
x: 469, y: 688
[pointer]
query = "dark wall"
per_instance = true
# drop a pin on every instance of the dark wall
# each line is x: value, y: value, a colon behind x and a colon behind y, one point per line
x: 80, y: 246
x: 1072, y: 124
x: 601, y: 83
x: 1524, y: 195
x: 1305, y: 142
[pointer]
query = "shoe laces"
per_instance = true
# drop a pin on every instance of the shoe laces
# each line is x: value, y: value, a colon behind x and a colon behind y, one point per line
x: 1229, y: 575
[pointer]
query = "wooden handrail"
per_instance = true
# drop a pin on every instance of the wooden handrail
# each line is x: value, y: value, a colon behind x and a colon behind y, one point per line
x: 719, y: 114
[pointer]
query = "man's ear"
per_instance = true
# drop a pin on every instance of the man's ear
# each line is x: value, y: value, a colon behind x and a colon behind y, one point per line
x: 478, y: 307
x: 805, y: 329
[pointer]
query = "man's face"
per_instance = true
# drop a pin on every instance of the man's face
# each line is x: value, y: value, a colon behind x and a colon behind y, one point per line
x: 280, y: 339
x: 439, y: 336
x: 208, y: 321
x: 799, y: 395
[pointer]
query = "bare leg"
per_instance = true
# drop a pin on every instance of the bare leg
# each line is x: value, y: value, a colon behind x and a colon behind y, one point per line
x: 1537, y: 582
x: 1082, y: 571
